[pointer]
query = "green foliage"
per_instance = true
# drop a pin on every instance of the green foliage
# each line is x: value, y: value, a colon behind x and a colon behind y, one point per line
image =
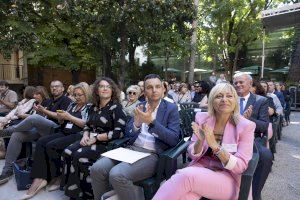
x: 81, y: 34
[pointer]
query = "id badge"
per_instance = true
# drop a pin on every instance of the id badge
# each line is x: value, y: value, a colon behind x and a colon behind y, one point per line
x: 69, y: 125
x: 230, y: 147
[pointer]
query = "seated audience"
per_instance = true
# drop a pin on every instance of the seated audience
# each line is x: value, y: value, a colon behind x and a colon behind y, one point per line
x: 142, y: 95
x: 22, y: 108
x: 255, y: 108
x: 258, y: 89
x: 154, y: 128
x: 202, y: 90
x: 166, y: 95
x: 70, y: 92
x: 279, y: 94
x: 220, y: 149
x: 222, y: 79
x: 133, y: 92
x: 106, y: 121
x: 33, y: 127
x: 8, y: 98
x: 184, y: 95
x: 276, y: 101
x: 46, y: 166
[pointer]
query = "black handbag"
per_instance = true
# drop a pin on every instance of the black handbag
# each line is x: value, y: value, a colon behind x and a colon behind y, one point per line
x: 22, y: 170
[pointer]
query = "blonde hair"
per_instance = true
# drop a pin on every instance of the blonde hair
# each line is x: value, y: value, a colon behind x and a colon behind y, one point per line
x: 135, y: 88
x: 86, y: 90
x: 217, y: 90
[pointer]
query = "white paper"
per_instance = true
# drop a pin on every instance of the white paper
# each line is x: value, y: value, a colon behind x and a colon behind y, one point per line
x: 186, y: 139
x: 125, y: 155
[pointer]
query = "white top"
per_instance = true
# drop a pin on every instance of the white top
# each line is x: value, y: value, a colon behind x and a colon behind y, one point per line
x: 145, y: 139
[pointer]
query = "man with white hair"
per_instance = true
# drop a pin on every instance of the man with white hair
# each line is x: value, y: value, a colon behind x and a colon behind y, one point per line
x: 255, y: 108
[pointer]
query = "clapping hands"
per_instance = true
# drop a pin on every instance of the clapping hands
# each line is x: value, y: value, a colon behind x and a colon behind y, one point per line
x: 142, y: 117
x: 205, y: 132
x: 247, y: 114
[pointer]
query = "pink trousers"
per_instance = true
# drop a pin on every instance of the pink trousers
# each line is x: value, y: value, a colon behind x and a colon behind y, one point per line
x: 195, y: 182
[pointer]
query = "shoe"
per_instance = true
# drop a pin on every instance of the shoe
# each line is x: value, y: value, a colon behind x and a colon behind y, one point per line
x: 53, y: 187
x: 54, y: 184
x: 5, y: 176
x: 28, y: 196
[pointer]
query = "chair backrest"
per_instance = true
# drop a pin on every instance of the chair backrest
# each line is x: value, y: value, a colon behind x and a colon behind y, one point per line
x: 187, y: 116
x: 247, y: 176
x: 188, y: 105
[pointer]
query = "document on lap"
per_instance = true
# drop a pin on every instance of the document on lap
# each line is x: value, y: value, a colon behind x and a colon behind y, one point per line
x: 125, y: 155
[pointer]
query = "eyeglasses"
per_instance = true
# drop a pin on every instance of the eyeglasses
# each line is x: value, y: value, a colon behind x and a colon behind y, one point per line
x: 55, y: 86
x: 132, y: 93
x: 78, y: 95
x: 104, y: 87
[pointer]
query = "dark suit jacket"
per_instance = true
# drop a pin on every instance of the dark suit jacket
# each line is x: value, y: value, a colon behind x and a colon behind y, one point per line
x: 260, y: 115
x: 165, y: 129
x: 280, y: 97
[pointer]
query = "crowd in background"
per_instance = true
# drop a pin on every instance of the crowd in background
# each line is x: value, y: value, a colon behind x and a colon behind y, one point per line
x: 87, y: 117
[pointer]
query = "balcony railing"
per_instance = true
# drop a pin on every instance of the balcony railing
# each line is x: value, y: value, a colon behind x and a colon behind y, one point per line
x: 11, y: 73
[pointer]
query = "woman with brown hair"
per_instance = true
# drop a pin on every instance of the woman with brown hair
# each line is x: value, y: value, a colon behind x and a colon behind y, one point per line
x: 105, y: 122
x: 46, y: 166
x: 22, y: 108
x: 184, y: 94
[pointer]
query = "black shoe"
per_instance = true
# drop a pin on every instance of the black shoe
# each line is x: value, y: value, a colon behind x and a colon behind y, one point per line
x: 4, y: 177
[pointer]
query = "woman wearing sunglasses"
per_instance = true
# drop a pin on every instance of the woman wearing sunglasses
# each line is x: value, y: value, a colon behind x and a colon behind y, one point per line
x: 133, y: 92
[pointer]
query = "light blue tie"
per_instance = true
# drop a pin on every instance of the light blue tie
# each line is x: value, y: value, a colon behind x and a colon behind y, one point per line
x: 242, y: 105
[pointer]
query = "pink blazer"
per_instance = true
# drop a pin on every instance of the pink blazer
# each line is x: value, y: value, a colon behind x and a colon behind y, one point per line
x: 237, y: 140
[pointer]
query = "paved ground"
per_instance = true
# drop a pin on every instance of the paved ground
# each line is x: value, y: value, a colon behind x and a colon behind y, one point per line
x: 283, y: 182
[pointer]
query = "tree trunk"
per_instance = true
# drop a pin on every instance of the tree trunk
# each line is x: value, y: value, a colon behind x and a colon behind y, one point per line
x: 123, y: 48
x: 107, y: 71
x: 167, y: 64
x: 193, y: 43
x: 185, y: 67
x: 131, y: 52
x: 75, y: 75
x: 294, y: 73
x: 235, y: 61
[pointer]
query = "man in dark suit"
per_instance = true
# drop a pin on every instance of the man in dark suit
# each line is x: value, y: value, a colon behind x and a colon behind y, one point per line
x: 255, y: 108
x: 154, y: 128
x: 277, y: 93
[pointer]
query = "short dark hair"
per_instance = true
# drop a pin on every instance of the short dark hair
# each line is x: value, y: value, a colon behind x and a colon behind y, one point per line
x: 152, y: 76
x: 259, y: 88
x: 29, y: 92
x: 115, y: 96
x: 4, y: 83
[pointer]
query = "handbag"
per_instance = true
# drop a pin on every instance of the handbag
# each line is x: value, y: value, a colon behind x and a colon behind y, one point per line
x: 22, y: 170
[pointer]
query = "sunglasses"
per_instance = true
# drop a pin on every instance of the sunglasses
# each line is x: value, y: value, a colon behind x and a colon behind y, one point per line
x: 133, y: 93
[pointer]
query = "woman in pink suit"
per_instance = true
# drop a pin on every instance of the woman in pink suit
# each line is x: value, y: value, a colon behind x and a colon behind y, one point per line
x: 221, y: 147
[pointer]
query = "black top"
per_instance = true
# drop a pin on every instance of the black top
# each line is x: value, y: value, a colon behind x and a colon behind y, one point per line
x: 69, y: 127
x: 60, y: 103
x: 142, y: 98
x: 198, y: 97
x: 110, y: 119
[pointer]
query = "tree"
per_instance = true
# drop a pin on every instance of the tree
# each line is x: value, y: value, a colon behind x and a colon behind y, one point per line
x: 94, y: 34
x: 227, y: 26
